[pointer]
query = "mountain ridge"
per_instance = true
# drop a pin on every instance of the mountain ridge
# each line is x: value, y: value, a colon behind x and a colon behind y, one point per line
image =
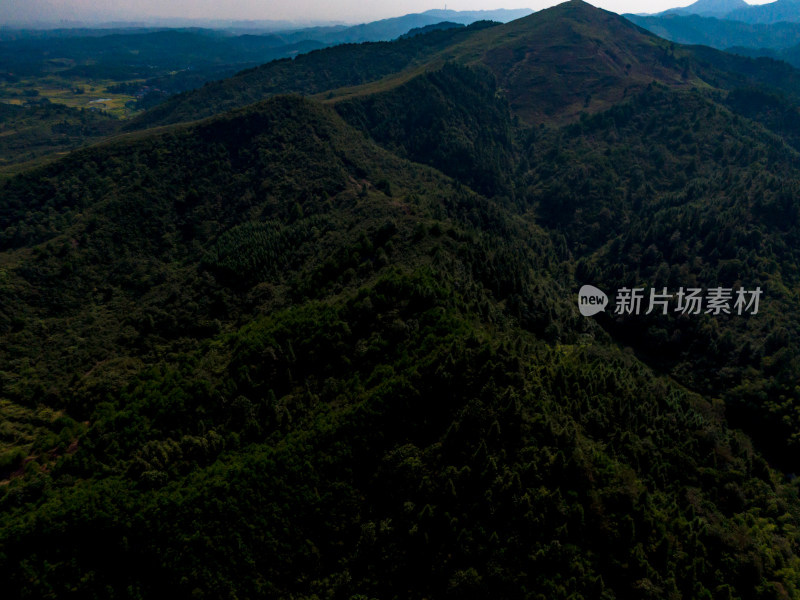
x: 571, y: 46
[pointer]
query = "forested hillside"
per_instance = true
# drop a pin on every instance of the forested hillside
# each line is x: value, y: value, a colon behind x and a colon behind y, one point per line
x: 330, y: 347
x: 312, y: 73
x: 670, y: 189
x: 26, y: 133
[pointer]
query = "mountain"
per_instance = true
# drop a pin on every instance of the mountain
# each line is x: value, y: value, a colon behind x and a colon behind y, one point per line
x: 573, y: 58
x: 536, y: 41
x: 773, y: 12
x: 770, y: 115
x: 330, y: 348
x: 778, y: 41
x: 376, y: 31
x: 790, y: 55
x: 737, y: 10
x: 551, y: 65
x: 172, y: 61
x: 720, y: 33
x: 385, y: 30
x: 558, y: 62
x: 712, y: 8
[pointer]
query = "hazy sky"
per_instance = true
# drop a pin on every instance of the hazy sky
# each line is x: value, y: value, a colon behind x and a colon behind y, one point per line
x: 301, y: 10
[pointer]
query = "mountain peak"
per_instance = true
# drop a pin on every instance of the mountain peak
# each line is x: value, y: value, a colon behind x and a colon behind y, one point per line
x: 571, y: 58
x: 574, y: 7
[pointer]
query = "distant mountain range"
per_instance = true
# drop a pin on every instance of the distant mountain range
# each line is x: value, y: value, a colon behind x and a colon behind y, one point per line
x: 49, y: 23
x: 780, y: 41
x: 738, y: 10
x: 389, y: 29
x: 719, y: 33
x: 781, y: 10
x: 710, y: 8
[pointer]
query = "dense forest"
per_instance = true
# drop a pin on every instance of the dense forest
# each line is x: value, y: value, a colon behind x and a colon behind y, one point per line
x: 329, y: 347
x: 316, y: 72
x: 44, y: 128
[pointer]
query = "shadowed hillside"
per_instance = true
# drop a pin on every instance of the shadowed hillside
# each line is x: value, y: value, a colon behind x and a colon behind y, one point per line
x: 319, y: 368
